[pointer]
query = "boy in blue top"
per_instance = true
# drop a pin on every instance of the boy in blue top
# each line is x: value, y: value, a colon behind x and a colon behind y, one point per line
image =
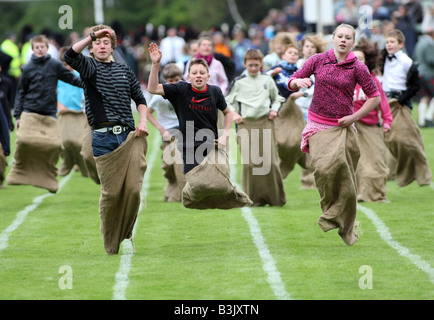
x: 72, y: 121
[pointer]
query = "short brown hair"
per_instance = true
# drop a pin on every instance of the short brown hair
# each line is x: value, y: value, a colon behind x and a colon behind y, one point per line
x: 200, y: 61
x: 397, y: 34
x: 253, y: 54
x: 171, y: 70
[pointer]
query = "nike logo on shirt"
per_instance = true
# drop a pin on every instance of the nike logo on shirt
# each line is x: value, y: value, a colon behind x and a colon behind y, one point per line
x: 193, y: 100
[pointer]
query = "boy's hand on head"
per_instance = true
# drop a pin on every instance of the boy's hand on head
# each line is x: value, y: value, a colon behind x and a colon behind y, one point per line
x: 103, y: 33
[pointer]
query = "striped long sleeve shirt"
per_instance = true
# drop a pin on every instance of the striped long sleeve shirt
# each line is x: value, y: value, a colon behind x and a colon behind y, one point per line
x: 108, y: 88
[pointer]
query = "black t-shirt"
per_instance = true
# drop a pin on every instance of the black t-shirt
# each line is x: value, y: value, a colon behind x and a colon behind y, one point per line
x: 197, y: 113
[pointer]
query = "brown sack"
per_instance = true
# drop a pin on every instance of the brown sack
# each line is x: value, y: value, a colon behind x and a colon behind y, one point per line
x: 37, y: 151
x: 121, y: 172
x: 288, y: 127
x: 261, y: 181
x: 335, y: 154
x: 173, y: 172
x: 3, y: 165
x: 209, y: 186
x: 71, y: 126
x: 87, y: 154
x: 372, y: 171
x: 405, y: 143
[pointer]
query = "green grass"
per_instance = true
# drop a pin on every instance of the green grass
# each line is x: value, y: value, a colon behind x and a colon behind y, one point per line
x: 184, y: 254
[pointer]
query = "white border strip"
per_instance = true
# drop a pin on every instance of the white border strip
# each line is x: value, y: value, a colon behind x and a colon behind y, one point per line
x: 268, y: 264
x: 403, y: 251
x: 122, y: 281
x: 22, y: 215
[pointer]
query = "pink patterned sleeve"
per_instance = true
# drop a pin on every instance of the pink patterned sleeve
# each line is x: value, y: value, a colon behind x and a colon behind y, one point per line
x: 305, y: 72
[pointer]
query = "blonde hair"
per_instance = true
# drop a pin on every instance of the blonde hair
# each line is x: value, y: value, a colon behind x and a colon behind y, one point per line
x: 39, y: 38
x: 346, y: 26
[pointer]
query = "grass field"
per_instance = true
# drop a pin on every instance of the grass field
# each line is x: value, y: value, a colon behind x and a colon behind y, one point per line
x: 51, y: 247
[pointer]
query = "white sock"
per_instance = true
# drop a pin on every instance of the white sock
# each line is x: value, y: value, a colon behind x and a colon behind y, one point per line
x: 421, y: 113
x: 430, y: 112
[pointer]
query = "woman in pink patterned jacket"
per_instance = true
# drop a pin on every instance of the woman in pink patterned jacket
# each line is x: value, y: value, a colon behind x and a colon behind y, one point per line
x: 329, y: 135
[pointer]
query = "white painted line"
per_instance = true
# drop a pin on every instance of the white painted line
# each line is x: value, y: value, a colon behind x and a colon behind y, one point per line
x: 22, y: 215
x: 268, y: 264
x: 403, y: 251
x: 122, y: 280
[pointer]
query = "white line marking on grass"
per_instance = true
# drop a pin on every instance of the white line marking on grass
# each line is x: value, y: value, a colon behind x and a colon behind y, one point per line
x: 22, y: 215
x: 122, y: 281
x: 403, y: 251
x: 268, y: 263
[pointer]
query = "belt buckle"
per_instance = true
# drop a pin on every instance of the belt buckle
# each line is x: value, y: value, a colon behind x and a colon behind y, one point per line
x: 117, y: 129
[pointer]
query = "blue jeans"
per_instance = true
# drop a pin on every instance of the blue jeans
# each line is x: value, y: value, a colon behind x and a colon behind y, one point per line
x: 105, y: 142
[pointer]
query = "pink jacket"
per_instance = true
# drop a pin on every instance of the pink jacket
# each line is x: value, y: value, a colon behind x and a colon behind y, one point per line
x: 334, y: 85
x: 372, y: 118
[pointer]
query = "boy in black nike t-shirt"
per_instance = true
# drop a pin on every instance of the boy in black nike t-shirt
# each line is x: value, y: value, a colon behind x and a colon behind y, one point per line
x: 196, y: 105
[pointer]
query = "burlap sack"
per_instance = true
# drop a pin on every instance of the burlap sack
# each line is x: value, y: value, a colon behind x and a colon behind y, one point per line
x: 261, y: 180
x: 288, y: 127
x: 372, y: 171
x: 71, y: 126
x: 87, y: 154
x: 37, y: 151
x: 209, y: 186
x: 335, y: 154
x: 121, y: 173
x: 405, y: 143
x: 173, y: 172
x: 3, y: 165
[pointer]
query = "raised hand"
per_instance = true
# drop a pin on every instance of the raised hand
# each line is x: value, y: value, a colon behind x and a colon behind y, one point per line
x: 154, y: 53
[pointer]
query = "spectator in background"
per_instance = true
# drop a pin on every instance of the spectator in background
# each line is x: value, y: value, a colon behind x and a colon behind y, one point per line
x: 391, y: 6
x: 6, y: 97
x: 380, y: 12
x: 10, y: 47
x: 428, y: 18
x: 277, y: 45
x: 348, y: 13
x: 425, y: 57
x: 377, y: 35
x: 171, y: 46
x: 404, y: 22
x: 4, y: 145
x: 220, y: 45
x: 240, y: 45
x: 414, y: 10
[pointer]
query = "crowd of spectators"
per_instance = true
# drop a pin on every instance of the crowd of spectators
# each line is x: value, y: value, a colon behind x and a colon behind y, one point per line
x: 410, y: 16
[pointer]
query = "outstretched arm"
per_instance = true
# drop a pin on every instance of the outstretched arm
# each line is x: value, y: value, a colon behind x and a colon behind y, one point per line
x: 154, y: 86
